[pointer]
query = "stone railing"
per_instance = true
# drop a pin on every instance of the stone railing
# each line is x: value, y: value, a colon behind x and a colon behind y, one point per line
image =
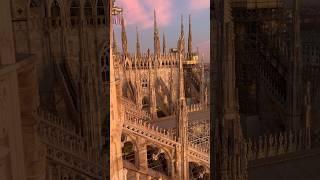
x: 143, y: 128
x: 86, y: 167
x: 201, y: 154
x: 134, y: 109
x: 65, y: 146
x: 52, y: 130
x: 277, y: 144
x: 137, y: 126
x: 197, y: 107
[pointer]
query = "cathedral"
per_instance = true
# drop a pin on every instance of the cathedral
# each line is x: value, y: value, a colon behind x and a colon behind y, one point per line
x: 64, y: 81
x: 159, y: 104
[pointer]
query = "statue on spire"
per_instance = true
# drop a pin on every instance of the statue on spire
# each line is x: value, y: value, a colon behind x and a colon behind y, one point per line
x: 190, y: 38
x: 156, y: 36
x: 164, y: 46
x: 138, y: 52
x: 181, y: 39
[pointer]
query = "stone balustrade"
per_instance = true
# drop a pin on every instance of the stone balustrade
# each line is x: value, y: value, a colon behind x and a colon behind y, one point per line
x: 52, y: 130
x: 277, y: 144
x: 201, y: 154
x: 164, y: 137
x: 93, y: 170
x: 197, y: 107
x: 143, y: 62
x: 65, y: 146
x: 134, y: 109
x: 144, y: 128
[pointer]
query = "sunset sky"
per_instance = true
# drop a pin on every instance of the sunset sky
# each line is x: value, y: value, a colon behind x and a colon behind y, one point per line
x: 139, y: 13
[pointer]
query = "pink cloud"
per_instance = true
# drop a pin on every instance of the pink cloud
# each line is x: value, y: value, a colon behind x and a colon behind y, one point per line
x: 140, y: 12
x: 199, y: 4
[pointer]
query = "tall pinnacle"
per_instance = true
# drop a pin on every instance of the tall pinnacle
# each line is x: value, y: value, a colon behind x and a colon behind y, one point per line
x: 182, y: 31
x: 138, y: 53
x: 164, y: 45
x: 190, y: 37
x: 124, y: 38
x: 156, y: 36
x: 182, y: 111
x: 181, y: 40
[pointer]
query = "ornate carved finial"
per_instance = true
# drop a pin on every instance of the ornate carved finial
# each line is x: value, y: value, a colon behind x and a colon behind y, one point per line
x: 156, y: 36
x: 181, y: 38
x: 164, y: 46
x: 190, y: 37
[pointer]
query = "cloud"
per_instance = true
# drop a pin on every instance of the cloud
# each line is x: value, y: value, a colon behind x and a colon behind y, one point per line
x: 140, y: 12
x: 199, y: 4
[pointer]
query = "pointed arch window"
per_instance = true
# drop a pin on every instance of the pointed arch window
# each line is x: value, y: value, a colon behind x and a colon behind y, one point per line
x: 35, y: 3
x: 75, y: 8
x: 35, y: 9
x: 55, y: 9
x: 144, y: 83
x: 100, y: 8
x: 145, y: 103
x: 87, y: 8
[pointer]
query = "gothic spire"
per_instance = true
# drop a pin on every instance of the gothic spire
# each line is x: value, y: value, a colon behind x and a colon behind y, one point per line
x: 124, y: 38
x: 182, y: 30
x: 295, y: 80
x: 138, y: 52
x: 156, y: 36
x: 164, y: 45
x: 190, y: 37
x: 182, y: 113
x: 181, y: 39
x: 181, y: 77
x: 114, y: 44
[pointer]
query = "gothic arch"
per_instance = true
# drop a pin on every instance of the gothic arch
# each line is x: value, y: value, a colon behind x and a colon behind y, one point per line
x: 144, y: 82
x: 104, y: 68
x: 166, y: 150
x: 158, y: 159
x: 145, y: 103
x: 55, y: 9
x: 74, y: 8
x: 129, y: 152
x: 35, y: 8
x: 100, y: 8
x: 127, y: 138
x: 87, y: 8
x: 197, y: 171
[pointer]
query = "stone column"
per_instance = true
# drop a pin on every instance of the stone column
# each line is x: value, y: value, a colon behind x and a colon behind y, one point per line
x: 142, y: 155
x: 137, y: 176
x: 172, y: 168
x: 116, y: 119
